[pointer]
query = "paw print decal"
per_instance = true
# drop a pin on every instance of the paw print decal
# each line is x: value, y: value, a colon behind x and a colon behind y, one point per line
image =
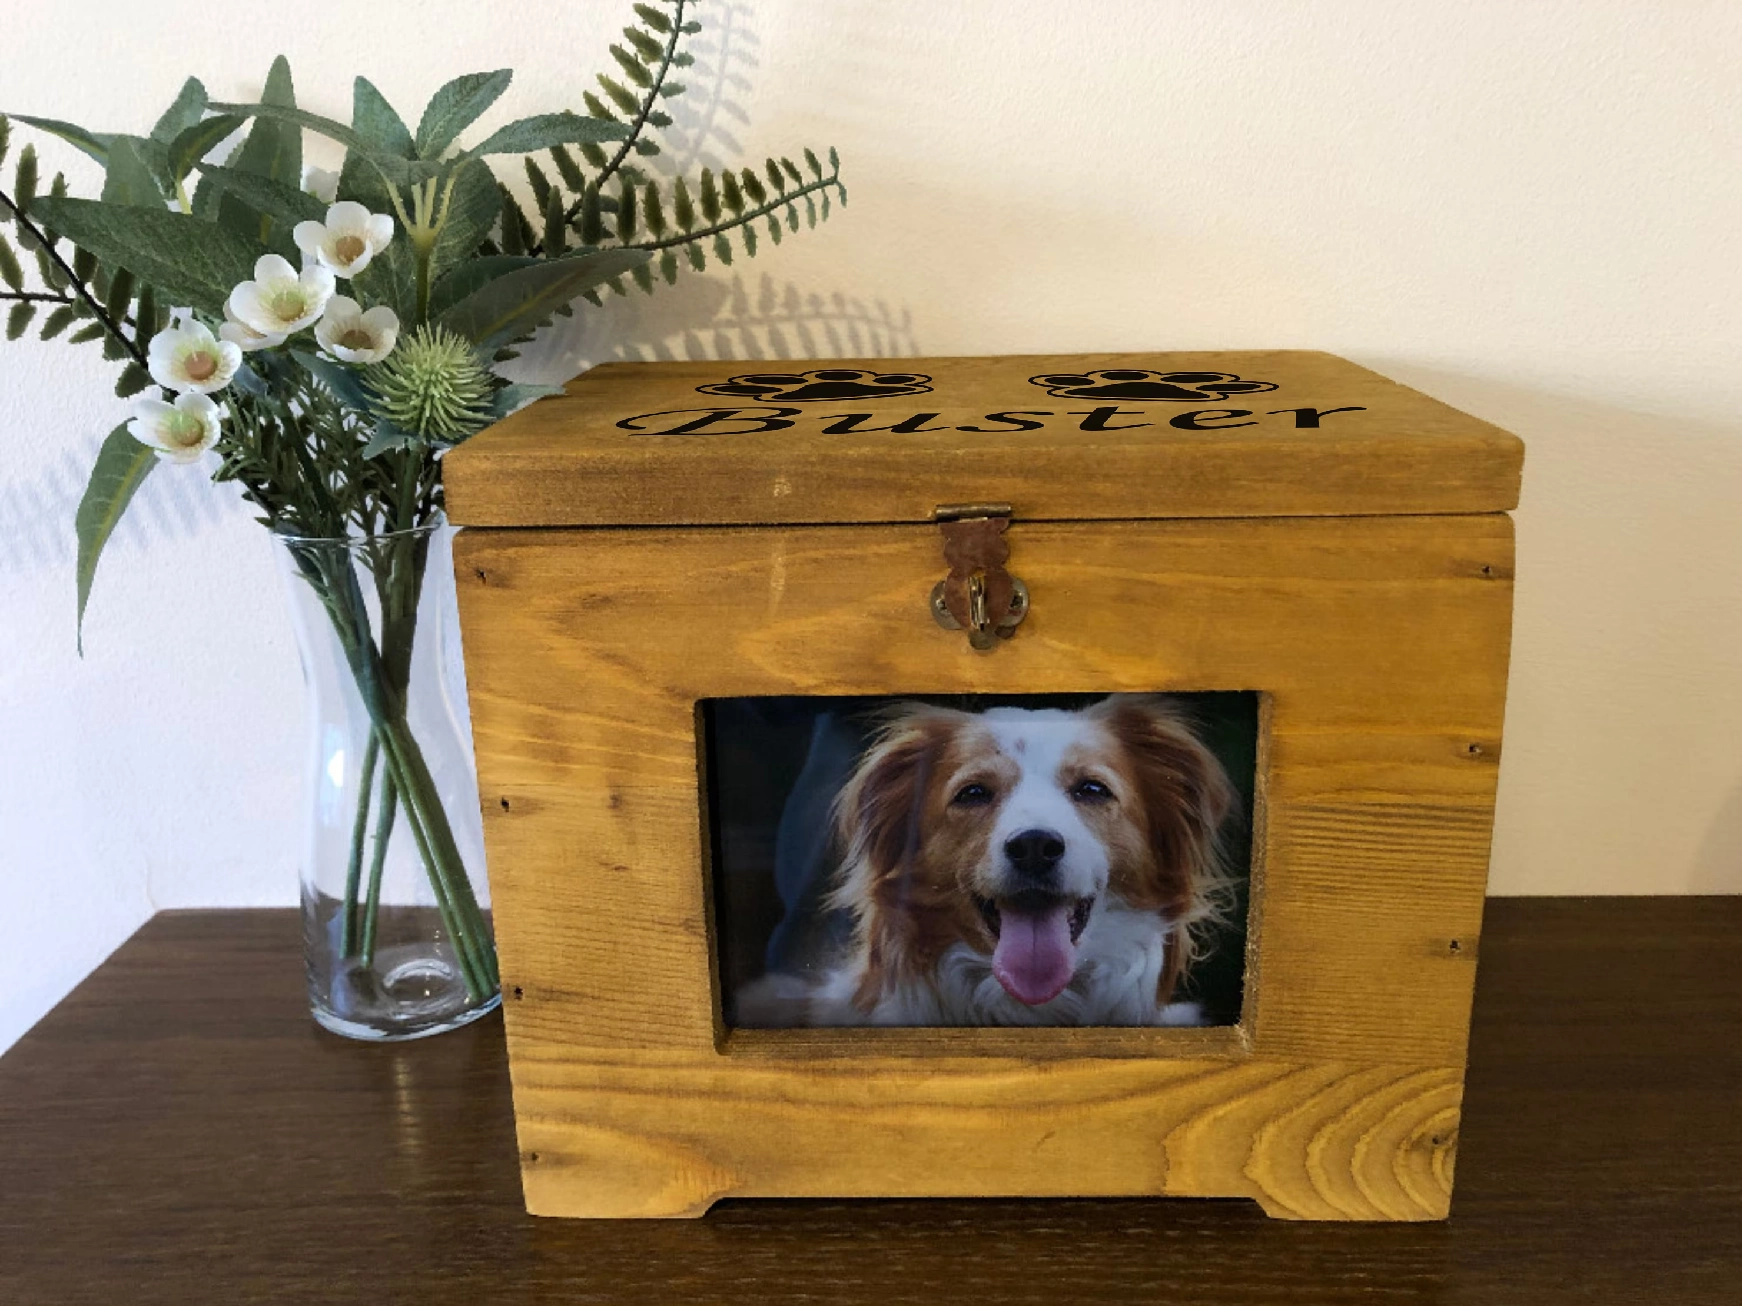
x: 1132, y: 383
x: 826, y: 383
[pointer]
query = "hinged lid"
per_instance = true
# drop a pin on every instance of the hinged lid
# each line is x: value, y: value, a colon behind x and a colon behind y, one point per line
x: 1081, y: 437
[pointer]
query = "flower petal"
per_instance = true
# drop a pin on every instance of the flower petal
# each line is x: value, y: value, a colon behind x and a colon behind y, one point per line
x: 347, y: 215
x: 308, y: 236
x: 380, y: 232
x: 273, y: 267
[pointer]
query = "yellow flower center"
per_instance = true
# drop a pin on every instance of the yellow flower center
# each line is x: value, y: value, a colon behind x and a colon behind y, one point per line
x: 286, y: 303
x: 199, y: 366
x: 357, y: 338
x: 348, y: 249
x: 183, y: 429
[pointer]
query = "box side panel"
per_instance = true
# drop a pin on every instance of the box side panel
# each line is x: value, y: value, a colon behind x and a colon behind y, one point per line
x: 1382, y: 645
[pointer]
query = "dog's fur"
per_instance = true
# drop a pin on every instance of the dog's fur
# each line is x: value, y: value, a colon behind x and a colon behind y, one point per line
x: 957, y: 828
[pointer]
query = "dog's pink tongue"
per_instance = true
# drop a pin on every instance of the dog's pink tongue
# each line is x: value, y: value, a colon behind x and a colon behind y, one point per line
x: 1033, y: 958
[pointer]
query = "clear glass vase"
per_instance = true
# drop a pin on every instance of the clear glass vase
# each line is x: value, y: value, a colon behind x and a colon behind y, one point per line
x: 396, y: 925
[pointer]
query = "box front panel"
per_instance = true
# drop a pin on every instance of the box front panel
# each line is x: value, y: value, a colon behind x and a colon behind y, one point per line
x: 1377, y: 649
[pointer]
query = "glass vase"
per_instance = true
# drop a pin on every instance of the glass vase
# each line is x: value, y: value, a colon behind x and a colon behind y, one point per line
x: 396, y: 925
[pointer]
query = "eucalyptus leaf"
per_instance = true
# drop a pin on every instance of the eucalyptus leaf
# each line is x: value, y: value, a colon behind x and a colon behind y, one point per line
x: 334, y: 131
x: 121, y: 467
x: 473, y: 207
x: 92, y: 143
x: 189, y: 107
x: 388, y: 438
x: 193, y: 143
x: 273, y: 149
x: 376, y: 121
x: 516, y: 303
x: 288, y: 205
x: 468, y: 276
x: 510, y: 398
x: 346, y: 385
x: 456, y: 107
x: 188, y: 260
x: 529, y: 135
x: 128, y: 180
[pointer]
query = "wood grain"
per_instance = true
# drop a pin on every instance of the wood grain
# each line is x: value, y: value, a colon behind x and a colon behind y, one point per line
x: 180, y: 1131
x: 1380, y: 645
x: 566, y: 461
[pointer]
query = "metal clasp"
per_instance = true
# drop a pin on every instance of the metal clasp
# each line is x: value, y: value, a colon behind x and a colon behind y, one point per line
x: 978, y: 595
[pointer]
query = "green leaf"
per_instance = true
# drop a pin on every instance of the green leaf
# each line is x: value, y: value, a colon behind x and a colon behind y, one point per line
x: 647, y: 49
x: 189, y: 261
x: 512, y: 397
x: 120, y: 295
x: 653, y: 18
x: 128, y: 180
x: 131, y: 381
x: 387, y: 438
x: 84, y: 335
x: 471, y: 275
x: 529, y: 135
x: 189, y: 107
x: 729, y: 192
x: 668, y: 266
x: 698, y: 260
x: 376, y: 121
x: 652, y: 213
x: 456, y: 107
x: 5, y: 141
x: 24, y: 180
x: 193, y: 144
x: 91, y: 143
x: 621, y: 96
x: 345, y: 384
x: 273, y: 149
x: 122, y: 465
x: 10, y: 272
x: 592, y: 224
x: 748, y: 230
x: 556, y: 226
x: 723, y: 249
x: 281, y: 113
x: 518, y: 302
x: 287, y: 205
x: 58, y: 321
x: 472, y: 211
x: 643, y: 276
x: 681, y: 208
x: 572, y: 176
x: 810, y: 160
x: 626, y: 214
x: 632, y: 67
x: 19, y: 319
x: 710, y: 197
x: 753, y: 187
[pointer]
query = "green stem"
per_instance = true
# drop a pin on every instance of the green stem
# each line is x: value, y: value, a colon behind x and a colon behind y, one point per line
x: 384, y: 817
x: 738, y: 220
x: 354, y: 867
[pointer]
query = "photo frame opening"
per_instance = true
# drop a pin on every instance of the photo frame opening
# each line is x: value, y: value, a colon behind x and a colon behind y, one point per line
x: 931, y: 861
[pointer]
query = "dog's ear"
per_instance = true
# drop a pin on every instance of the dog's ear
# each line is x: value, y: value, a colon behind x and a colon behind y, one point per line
x: 877, y: 816
x: 1186, y: 797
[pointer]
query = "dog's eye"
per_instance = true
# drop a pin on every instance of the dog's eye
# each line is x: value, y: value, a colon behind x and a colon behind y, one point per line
x: 1090, y: 791
x: 974, y: 795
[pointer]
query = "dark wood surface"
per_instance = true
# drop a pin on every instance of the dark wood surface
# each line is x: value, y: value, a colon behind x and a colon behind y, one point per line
x: 178, y: 1130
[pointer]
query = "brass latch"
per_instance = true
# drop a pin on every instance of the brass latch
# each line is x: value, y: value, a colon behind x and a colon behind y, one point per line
x: 978, y: 595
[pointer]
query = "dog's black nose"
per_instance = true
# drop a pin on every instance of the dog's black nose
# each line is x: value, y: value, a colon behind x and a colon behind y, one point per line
x: 1034, y: 852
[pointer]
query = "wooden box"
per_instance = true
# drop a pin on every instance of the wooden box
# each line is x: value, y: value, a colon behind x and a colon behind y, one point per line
x: 1283, y: 530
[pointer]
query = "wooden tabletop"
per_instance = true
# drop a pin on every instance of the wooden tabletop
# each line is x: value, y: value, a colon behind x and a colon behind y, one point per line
x: 178, y: 1130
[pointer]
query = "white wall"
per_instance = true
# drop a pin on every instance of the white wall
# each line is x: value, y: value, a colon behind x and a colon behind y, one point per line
x: 1530, y: 210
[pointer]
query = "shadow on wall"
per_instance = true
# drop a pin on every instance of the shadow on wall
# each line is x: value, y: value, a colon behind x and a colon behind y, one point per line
x: 1621, y: 772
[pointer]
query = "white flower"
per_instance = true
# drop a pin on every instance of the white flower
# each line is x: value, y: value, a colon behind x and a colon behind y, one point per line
x: 347, y: 240
x: 185, y: 355
x: 245, y: 337
x: 179, y: 432
x: 347, y: 332
x: 320, y: 183
x: 280, y: 301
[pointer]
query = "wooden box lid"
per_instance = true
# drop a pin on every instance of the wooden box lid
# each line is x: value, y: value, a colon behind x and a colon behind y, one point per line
x: 1057, y: 437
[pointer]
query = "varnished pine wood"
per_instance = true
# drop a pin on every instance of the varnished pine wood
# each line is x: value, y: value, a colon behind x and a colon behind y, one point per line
x: 565, y: 461
x: 1381, y: 647
x: 179, y: 1131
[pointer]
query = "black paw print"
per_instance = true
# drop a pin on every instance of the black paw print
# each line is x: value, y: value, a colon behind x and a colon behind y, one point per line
x: 828, y: 383
x: 1132, y: 383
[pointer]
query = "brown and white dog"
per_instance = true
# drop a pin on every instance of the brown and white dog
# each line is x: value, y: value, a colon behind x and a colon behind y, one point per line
x: 1025, y: 867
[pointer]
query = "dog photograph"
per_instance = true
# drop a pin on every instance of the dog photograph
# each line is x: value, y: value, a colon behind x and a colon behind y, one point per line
x: 969, y: 860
